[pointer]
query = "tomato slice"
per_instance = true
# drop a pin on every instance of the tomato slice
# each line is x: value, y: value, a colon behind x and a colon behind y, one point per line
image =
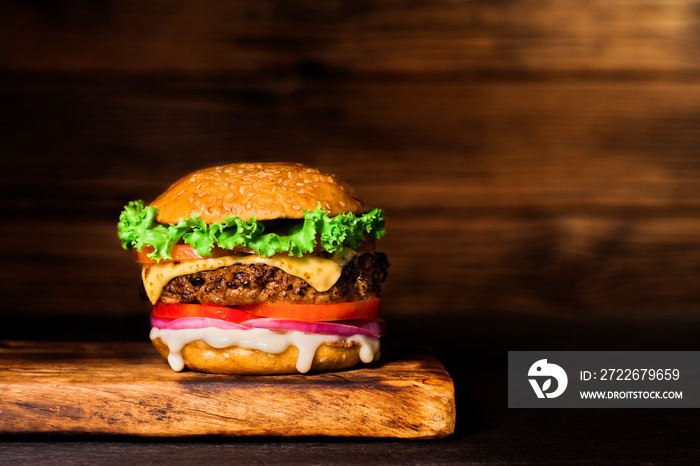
x: 367, y: 309
x: 179, y: 310
x: 179, y: 252
x: 183, y: 252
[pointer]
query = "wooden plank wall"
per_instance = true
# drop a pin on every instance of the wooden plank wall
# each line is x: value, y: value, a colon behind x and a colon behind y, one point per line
x: 531, y: 156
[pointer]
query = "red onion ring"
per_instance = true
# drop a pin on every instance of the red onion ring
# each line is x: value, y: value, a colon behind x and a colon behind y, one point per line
x: 326, y: 328
x: 193, y: 322
x: 369, y: 328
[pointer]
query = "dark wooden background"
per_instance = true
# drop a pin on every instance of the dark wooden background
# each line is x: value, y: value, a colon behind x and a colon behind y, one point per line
x: 538, y: 162
x: 532, y: 157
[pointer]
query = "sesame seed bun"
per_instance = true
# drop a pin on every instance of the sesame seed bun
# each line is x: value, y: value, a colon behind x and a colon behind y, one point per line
x: 199, y: 356
x: 264, y: 191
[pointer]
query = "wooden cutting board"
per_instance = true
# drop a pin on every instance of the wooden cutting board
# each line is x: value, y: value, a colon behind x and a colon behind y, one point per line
x: 127, y: 389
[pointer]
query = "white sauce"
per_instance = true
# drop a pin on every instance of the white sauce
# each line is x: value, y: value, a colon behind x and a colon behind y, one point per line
x: 270, y: 341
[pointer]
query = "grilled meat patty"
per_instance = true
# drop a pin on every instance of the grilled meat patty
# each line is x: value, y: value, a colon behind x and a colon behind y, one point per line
x: 361, y: 278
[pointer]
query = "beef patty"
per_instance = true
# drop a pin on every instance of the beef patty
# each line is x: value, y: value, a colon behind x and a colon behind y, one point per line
x: 238, y: 284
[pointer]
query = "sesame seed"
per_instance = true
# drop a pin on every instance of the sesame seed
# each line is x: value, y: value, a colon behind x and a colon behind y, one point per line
x: 241, y: 190
x: 296, y: 207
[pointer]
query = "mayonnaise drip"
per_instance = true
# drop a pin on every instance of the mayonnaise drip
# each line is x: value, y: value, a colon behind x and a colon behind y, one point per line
x: 260, y: 339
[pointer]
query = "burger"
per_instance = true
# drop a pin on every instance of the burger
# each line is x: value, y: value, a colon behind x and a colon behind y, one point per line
x: 262, y: 268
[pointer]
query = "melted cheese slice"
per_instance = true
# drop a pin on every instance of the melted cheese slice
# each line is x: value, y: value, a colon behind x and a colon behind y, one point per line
x: 319, y: 272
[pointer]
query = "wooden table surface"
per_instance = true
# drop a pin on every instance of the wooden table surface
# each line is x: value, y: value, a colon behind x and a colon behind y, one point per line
x: 487, y: 432
x: 125, y: 388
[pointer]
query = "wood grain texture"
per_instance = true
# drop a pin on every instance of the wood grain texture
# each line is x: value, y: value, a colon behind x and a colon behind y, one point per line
x: 127, y: 389
x: 385, y: 37
x: 535, y: 197
x: 536, y: 157
x: 487, y: 431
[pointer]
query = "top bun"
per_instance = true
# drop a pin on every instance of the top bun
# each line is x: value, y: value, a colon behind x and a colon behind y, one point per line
x: 264, y: 191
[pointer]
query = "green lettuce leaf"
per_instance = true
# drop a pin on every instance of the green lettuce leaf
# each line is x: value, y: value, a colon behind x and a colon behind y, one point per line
x: 138, y: 228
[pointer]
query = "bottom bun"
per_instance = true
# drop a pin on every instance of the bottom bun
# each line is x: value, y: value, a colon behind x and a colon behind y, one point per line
x: 199, y: 356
